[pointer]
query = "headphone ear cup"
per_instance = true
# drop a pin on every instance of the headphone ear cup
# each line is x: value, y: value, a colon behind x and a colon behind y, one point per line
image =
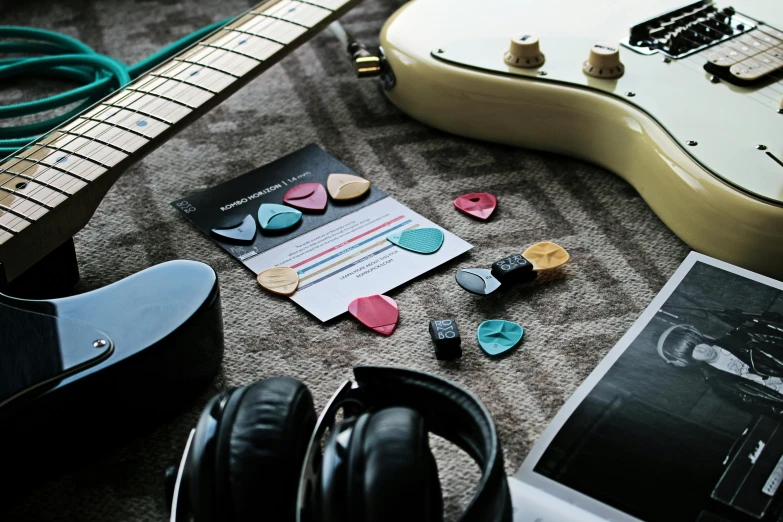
x: 261, y: 450
x: 202, y: 460
x: 392, y: 474
x: 436, y: 494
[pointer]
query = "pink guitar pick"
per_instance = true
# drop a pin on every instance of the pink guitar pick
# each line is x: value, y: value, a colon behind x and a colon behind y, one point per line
x: 478, y: 204
x: 377, y: 312
x: 307, y: 196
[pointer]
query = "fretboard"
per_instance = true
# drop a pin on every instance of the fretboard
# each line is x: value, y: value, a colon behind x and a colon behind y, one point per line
x: 133, y: 121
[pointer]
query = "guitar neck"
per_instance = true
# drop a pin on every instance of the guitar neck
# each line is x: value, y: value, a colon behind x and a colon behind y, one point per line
x: 50, y: 189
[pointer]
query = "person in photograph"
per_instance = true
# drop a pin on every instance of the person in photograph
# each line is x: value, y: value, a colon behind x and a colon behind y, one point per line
x: 752, y: 352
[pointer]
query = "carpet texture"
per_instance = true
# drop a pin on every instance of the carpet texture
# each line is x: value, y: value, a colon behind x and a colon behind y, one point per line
x: 621, y: 253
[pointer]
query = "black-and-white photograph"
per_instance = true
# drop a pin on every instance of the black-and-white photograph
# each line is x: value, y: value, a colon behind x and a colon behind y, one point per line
x: 687, y: 424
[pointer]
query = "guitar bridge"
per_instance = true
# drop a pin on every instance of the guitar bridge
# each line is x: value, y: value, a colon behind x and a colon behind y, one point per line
x: 688, y: 30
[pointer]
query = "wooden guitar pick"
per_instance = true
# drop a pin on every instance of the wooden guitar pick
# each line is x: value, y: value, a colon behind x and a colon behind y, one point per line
x: 279, y: 280
x: 346, y: 186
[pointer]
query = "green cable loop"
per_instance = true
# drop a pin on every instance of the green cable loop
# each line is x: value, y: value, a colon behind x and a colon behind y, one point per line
x: 66, y: 58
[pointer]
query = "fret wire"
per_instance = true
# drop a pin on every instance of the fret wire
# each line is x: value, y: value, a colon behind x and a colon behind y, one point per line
x: 96, y: 140
x: 206, y: 66
x: 232, y: 58
x: 27, y: 197
x: 21, y: 175
x: 233, y: 29
x: 137, y: 133
x: 80, y: 156
x: 3, y: 227
x: 281, y: 19
x: 93, y: 139
x: 129, y: 111
x: 51, y: 186
x: 316, y: 5
x: 185, y: 82
x: 48, y: 167
x: 13, y: 222
x: 170, y: 84
x: 73, y: 153
x: 138, y: 111
x: 28, y: 178
x: 231, y: 51
x: 167, y: 98
x: 9, y: 210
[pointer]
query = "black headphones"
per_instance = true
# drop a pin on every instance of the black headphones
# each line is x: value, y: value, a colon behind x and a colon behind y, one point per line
x: 257, y: 454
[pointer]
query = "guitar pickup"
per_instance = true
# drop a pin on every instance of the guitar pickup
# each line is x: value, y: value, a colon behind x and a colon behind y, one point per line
x: 748, y: 59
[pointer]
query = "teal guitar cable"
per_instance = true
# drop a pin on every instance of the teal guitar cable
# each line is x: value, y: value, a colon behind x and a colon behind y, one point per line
x: 65, y: 58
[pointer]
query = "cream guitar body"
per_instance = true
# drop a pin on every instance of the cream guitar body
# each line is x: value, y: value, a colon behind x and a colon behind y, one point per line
x: 703, y: 148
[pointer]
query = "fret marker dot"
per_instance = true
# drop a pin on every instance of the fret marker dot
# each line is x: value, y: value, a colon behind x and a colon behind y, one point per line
x: 194, y: 73
x: 21, y: 185
x: 62, y: 159
x: 292, y: 10
x: 141, y: 123
x: 243, y: 42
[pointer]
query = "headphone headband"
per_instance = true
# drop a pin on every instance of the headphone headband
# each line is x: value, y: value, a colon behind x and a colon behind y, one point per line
x: 451, y: 412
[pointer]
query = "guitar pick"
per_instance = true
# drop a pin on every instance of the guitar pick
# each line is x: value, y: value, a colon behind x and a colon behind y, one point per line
x: 243, y: 233
x: 272, y: 216
x: 346, y: 186
x: 546, y: 255
x: 377, y: 312
x: 307, y: 196
x: 477, y: 280
x: 478, y: 204
x: 419, y: 240
x: 279, y: 280
x: 497, y: 336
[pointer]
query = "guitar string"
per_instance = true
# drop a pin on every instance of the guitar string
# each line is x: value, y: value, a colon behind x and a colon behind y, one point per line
x: 174, y: 83
x: 169, y: 84
x: 156, y: 97
x: 133, y: 112
x: 779, y: 45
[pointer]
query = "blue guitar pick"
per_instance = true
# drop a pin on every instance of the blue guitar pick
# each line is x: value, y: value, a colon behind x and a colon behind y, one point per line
x: 244, y: 232
x: 419, y: 240
x: 277, y: 217
x: 497, y: 336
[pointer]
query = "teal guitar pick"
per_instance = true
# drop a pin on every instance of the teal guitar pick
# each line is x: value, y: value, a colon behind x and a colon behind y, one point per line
x: 497, y: 336
x: 419, y: 240
x: 277, y: 217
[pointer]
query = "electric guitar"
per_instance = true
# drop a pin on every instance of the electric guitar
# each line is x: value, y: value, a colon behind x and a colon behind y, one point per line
x: 130, y: 351
x: 683, y: 100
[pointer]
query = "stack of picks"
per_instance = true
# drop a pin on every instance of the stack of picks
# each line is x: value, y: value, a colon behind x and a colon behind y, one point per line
x: 514, y: 269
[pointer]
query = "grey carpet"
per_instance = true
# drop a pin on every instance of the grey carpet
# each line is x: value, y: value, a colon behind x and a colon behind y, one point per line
x: 621, y: 253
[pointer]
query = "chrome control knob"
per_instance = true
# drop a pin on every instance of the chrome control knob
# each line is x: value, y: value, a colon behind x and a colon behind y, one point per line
x: 524, y: 51
x: 604, y: 61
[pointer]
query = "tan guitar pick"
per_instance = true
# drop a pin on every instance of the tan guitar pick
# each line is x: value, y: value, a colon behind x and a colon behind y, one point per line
x: 546, y: 255
x: 279, y: 280
x: 346, y: 186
